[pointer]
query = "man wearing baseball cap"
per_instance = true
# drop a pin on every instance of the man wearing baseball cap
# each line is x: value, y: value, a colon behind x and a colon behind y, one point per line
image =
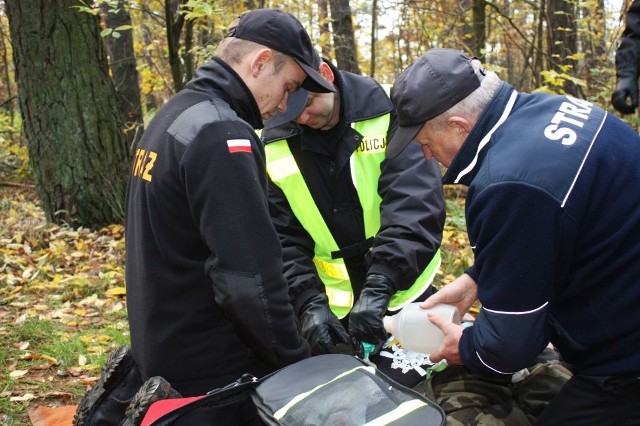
x: 377, y: 246
x: 552, y: 214
x: 206, y: 298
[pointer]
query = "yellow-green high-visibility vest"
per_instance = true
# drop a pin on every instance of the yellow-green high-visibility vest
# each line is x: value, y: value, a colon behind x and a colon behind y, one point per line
x: 365, y: 171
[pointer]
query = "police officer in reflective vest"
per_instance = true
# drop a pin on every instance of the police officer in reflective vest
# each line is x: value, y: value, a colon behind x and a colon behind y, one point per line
x: 360, y: 235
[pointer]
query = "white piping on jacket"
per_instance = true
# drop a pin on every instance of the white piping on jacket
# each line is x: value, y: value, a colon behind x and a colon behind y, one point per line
x: 485, y: 139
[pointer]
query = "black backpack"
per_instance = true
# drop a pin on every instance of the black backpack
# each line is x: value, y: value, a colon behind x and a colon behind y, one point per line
x: 332, y: 389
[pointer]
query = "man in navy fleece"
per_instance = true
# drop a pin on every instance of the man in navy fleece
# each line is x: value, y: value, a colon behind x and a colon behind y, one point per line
x: 552, y: 215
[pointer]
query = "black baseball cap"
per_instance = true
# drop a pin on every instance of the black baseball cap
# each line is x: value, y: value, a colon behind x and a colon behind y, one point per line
x: 295, y: 104
x: 435, y: 82
x: 283, y: 32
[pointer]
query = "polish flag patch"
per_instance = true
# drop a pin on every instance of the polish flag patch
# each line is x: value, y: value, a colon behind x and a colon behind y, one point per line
x: 239, y: 145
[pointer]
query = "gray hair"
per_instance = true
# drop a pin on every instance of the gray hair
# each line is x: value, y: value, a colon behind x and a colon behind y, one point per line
x: 473, y: 105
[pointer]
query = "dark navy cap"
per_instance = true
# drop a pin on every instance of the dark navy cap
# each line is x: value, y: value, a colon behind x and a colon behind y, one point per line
x: 435, y: 82
x: 283, y: 32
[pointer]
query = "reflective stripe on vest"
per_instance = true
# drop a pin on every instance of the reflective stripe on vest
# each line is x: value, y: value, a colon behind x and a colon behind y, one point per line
x: 384, y: 417
x: 284, y: 172
x: 365, y: 171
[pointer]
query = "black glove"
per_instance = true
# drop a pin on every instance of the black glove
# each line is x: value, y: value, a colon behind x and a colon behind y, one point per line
x: 365, y: 318
x: 625, y: 96
x: 320, y: 327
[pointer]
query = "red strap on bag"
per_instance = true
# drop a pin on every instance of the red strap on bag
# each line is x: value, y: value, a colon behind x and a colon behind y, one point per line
x: 164, y: 406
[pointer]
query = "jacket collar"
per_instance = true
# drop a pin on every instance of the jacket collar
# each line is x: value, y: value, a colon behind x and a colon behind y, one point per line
x: 360, y: 99
x: 467, y: 162
x: 218, y: 79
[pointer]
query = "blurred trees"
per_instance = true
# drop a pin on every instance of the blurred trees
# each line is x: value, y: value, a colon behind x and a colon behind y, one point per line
x: 534, y: 44
x: 562, y: 46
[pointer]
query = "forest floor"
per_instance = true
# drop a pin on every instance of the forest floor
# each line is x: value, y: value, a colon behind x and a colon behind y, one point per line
x: 63, y: 307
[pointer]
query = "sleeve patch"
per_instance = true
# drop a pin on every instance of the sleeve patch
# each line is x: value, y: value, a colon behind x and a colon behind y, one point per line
x: 239, y: 145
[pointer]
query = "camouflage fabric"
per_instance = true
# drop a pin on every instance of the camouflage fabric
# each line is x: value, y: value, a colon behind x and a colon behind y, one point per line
x: 472, y: 399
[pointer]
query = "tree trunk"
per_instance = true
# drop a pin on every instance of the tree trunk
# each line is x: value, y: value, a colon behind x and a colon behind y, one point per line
x: 149, y: 98
x: 71, y: 119
x: 187, y: 56
x: 593, y: 42
x: 343, y: 37
x: 374, y: 30
x: 174, y: 24
x: 7, y: 100
x: 479, y: 28
x: 325, y: 33
x: 539, y: 58
x: 563, y: 39
x: 123, y: 69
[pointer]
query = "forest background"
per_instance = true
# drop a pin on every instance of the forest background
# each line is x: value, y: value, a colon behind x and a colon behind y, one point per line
x: 79, y: 80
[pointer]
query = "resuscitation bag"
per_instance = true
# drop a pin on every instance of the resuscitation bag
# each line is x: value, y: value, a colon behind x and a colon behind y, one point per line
x: 331, y: 389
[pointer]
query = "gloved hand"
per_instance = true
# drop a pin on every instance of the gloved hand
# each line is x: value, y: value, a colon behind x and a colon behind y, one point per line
x: 365, y: 318
x: 320, y: 327
x: 625, y: 95
x: 359, y: 350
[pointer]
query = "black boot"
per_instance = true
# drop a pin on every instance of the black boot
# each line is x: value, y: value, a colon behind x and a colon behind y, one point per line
x: 105, y: 403
x: 154, y: 389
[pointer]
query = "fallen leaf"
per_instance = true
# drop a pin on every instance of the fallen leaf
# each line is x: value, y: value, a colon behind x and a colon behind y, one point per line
x: 116, y: 291
x: 58, y: 394
x: 75, y: 371
x: 22, y: 345
x: 16, y: 374
x: 40, y: 356
x: 89, y: 380
x: 52, y: 416
x: 25, y: 397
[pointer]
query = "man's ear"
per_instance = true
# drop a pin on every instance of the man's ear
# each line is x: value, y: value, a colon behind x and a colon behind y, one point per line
x: 326, y: 71
x: 460, y: 124
x: 259, y: 61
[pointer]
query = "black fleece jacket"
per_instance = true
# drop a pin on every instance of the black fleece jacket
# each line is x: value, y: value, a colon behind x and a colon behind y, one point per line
x: 206, y: 297
x: 628, y: 52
